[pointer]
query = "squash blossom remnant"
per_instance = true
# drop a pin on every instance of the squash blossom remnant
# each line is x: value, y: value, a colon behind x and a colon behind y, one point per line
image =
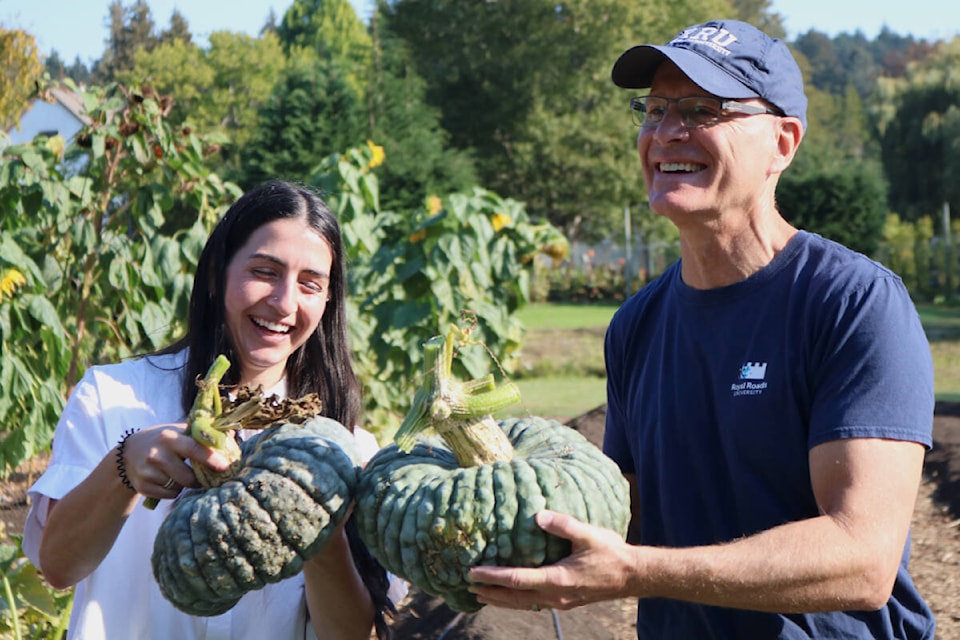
x: 10, y: 281
x: 377, y: 153
x: 499, y: 221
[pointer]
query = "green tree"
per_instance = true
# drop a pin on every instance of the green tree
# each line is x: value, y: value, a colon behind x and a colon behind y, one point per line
x: 332, y: 29
x: 178, y: 69
x: 760, y: 14
x: 919, y: 120
x: 422, y: 162
x: 825, y: 71
x: 215, y: 90
x: 21, y: 66
x: 79, y: 72
x: 55, y: 66
x: 835, y: 186
x: 524, y: 86
x: 312, y: 113
x: 178, y: 29
x: 245, y: 72
x: 846, y: 203
x: 131, y: 28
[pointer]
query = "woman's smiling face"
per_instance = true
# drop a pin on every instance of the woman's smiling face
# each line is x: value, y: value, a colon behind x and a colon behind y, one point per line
x: 277, y: 287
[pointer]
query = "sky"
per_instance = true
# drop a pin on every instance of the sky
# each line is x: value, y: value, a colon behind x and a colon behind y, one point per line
x: 79, y: 27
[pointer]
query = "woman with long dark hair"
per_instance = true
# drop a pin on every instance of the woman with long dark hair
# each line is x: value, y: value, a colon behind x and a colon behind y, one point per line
x: 269, y: 293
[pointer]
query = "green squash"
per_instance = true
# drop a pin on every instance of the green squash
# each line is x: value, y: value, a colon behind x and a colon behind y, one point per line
x: 293, y: 489
x: 431, y: 510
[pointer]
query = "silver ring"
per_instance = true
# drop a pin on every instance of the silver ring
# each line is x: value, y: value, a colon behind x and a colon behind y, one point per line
x: 534, y: 607
x: 169, y: 483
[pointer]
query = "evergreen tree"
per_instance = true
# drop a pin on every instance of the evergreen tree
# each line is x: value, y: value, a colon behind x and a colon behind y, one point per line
x: 846, y: 203
x: 79, y: 71
x: 524, y: 87
x: 311, y: 114
x: 131, y: 28
x: 332, y: 30
x: 919, y: 121
x: 420, y: 161
x: 54, y: 66
x: 178, y: 29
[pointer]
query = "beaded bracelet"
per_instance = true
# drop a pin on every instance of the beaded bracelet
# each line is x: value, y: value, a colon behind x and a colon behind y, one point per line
x: 121, y: 468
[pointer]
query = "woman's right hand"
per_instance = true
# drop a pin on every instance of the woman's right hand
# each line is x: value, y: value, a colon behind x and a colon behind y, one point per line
x: 155, y: 460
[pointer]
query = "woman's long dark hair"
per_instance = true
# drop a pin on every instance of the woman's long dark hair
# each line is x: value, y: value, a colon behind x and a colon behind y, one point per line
x: 322, y: 365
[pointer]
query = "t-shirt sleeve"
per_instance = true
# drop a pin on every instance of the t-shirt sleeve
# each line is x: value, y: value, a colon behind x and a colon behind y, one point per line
x: 78, y: 446
x: 876, y: 373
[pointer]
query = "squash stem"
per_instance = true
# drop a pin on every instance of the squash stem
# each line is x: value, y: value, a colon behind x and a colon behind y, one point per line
x: 200, y: 422
x: 460, y: 411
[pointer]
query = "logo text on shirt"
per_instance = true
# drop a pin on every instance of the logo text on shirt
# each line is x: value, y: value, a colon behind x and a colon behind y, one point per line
x: 752, y: 381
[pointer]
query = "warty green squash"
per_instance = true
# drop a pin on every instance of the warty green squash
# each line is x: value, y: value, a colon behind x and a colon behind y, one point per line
x: 429, y: 510
x: 289, y: 490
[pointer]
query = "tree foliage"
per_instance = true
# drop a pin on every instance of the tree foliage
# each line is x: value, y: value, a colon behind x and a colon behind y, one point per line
x: 332, y: 29
x: 525, y: 86
x: 131, y: 28
x: 313, y: 112
x: 760, y: 14
x: 919, y: 120
x: 179, y: 29
x: 217, y: 89
x: 848, y: 206
x: 20, y: 62
x: 422, y: 161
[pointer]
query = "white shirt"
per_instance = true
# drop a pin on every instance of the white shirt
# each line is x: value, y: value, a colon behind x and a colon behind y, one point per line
x: 120, y: 599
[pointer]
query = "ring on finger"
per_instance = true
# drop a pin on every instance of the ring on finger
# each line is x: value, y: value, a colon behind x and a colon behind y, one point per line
x: 169, y: 484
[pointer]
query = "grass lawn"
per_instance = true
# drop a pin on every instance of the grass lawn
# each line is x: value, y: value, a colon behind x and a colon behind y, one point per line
x: 544, y: 315
x: 942, y: 325
x: 560, y: 397
x: 564, y: 357
x: 561, y: 372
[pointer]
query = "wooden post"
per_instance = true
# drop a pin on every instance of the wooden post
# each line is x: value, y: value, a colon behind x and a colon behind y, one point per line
x: 948, y: 264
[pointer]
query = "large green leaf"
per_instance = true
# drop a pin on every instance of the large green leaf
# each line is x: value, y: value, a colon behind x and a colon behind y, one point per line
x: 45, y: 313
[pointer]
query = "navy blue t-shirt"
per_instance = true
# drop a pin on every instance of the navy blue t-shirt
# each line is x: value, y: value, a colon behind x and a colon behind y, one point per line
x: 715, y: 398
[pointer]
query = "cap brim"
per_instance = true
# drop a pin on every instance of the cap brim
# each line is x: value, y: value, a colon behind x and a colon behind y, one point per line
x: 635, y: 69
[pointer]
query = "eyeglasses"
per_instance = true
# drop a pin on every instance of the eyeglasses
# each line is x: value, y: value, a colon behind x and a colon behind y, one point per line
x: 695, y: 111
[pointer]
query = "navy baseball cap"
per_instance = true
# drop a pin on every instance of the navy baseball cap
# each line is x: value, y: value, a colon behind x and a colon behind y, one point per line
x: 727, y: 58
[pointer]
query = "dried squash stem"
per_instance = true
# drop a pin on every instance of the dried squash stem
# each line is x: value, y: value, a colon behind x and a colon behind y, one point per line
x: 460, y: 411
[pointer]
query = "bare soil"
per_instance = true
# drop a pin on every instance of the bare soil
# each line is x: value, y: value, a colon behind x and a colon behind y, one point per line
x: 935, y: 561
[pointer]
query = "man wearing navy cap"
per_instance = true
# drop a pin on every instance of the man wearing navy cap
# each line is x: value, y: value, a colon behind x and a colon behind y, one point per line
x: 770, y: 396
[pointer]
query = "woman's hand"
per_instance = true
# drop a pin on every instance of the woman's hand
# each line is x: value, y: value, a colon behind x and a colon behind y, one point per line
x: 155, y: 460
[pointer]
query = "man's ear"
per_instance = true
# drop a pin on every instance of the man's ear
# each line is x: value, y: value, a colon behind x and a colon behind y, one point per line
x: 789, y: 135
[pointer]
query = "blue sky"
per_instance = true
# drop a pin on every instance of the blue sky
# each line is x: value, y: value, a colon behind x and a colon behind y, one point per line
x: 78, y: 27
